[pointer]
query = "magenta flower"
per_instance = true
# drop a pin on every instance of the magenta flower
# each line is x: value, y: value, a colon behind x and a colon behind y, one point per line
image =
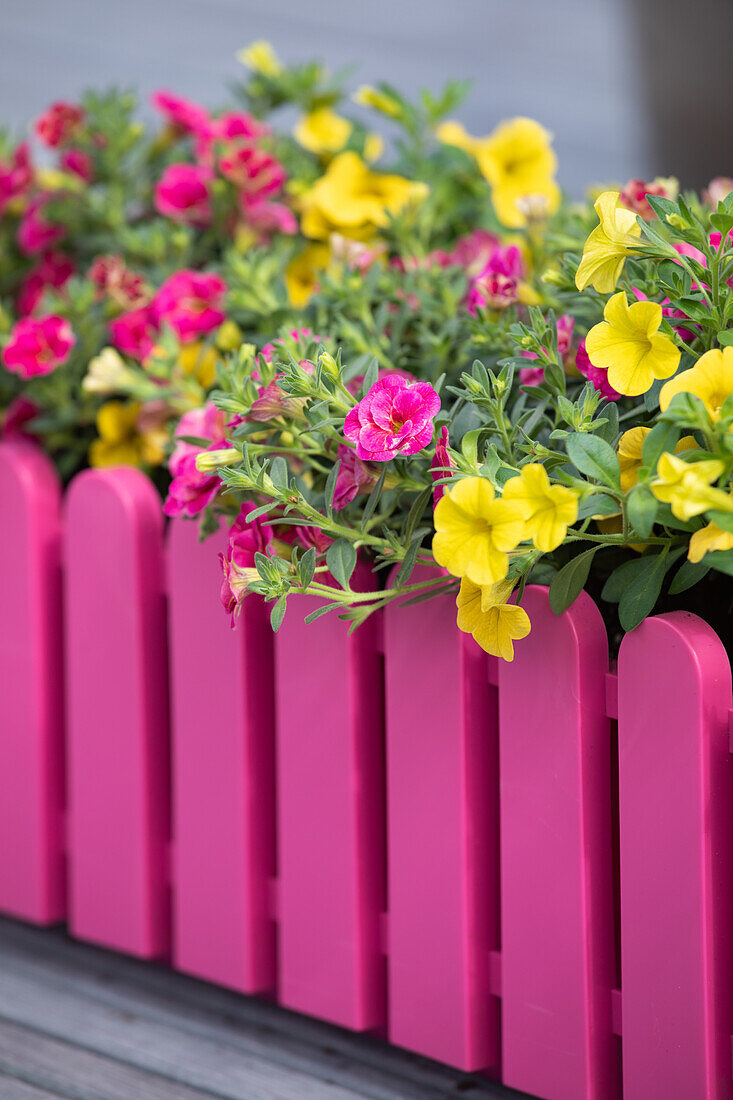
x: 598, y: 377
x: 394, y: 418
x: 353, y: 479
x: 59, y: 123
x: 472, y: 252
x: 134, y: 333
x: 190, y: 302
x: 113, y: 279
x: 634, y: 197
x: 179, y: 112
x: 15, y: 175
x: 245, y: 540
x: 441, y: 460
x: 78, y: 163
x: 54, y: 270
x: 191, y: 490
x: 532, y: 376
x: 268, y: 218
x: 257, y: 173
x: 182, y: 194
x: 38, y: 345
x: 497, y: 284
x: 19, y: 412
x: 35, y: 234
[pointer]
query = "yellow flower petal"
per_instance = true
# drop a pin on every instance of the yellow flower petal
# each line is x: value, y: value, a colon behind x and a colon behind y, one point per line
x: 711, y: 379
x: 494, y: 624
x: 608, y: 245
x: 627, y: 345
x: 706, y: 540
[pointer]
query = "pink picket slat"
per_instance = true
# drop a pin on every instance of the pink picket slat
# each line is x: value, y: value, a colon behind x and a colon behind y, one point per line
x: 31, y: 689
x: 223, y: 740
x: 443, y: 837
x: 117, y: 712
x: 330, y: 759
x: 676, y: 832
x: 557, y: 950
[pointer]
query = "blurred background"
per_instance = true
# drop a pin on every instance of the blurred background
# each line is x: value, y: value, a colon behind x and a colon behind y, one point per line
x: 628, y: 87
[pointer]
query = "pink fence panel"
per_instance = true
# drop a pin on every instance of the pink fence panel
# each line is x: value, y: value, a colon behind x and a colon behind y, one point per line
x: 443, y: 837
x: 117, y: 713
x: 330, y: 761
x: 31, y: 688
x: 676, y: 831
x: 223, y: 740
x: 558, y: 961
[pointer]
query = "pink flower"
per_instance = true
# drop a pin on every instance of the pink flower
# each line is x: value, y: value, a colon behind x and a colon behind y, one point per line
x: 441, y: 460
x: 472, y: 252
x: 35, y: 234
x: 257, y: 173
x: 245, y: 540
x: 179, y: 112
x: 38, y: 345
x: 394, y: 418
x: 59, y: 123
x: 19, y: 412
x: 15, y: 175
x: 595, y: 375
x: 134, y: 333
x: 717, y: 190
x: 190, y: 302
x: 313, y: 537
x: 78, y: 163
x: 238, y: 124
x: 270, y: 217
x: 497, y: 284
x: 113, y: 279
x: 533, y: 376
x: 191, y: 490
x: 353, y: 479
x: 182, y: 194
x: 299, y: 335
x: 54, y: 270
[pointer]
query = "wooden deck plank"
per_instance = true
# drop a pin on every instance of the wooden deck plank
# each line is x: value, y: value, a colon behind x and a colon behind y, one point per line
x: 198, y: 1036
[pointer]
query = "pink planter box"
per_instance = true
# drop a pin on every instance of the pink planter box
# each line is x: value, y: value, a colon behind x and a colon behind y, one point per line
x: 525, y: 870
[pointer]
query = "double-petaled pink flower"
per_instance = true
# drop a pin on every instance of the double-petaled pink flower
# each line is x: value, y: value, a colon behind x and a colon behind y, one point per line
x: 441, y: 464
x: 596, y: 376
x: 191, y: 490
x: 15, y: 175
x: 182, y: 194
x: 191, y: 303
x: 78, y: 163
x: 38, y: 345
x: 353, y: 478
x: 60, y: 123
x: 134, y: 333
x: 394, y: 418
x: 113, y: 279
x: 179, y: 112
x: 496, y: 286
x: 245, y: 540
x: 35, y: 234
x: 54, y: 270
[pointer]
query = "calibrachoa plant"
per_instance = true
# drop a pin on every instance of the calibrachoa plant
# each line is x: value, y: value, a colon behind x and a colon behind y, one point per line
x: 423, y: 360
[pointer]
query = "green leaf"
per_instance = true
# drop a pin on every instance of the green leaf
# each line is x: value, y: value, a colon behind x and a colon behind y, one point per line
x: 594, y: 457
x: 725, y: 339
x: 320, y: 611
x: 568, y: 583
x: 371, y: 375
x: 408, y: 562
x: 372, y: 500
x: 307, y: 567
x: 416, y: 511
x: 722, y: 222
x: 279, y: 472
x: 688, y: 574
x: 469, y: 446
x: 609, y: 430
x: 722, y: 560
x: 622, y: 575
x: 663, y: 437
x: 642, y: 509
x: 278, y: 613
x: 642, y: 592
x: 341, y: 560
x: 598, y: 504
x: 331, y: 485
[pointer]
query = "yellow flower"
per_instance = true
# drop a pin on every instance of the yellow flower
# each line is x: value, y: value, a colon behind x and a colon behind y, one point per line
x: 301, y: 274
x: 228, y: 336
x: 367, y: 96
x: 353, y: 200
x: 474, y: 531
x: 120, y: 443
x: 494, y: 624
x: 630, y: 454
x: 629, y: 346
x: 373, y: 147
x: 711, y: 379
x: 687, y: 486
x: 709, y: 538
x: 550, y: 509
x: 518, y: 162
x: 323, y: 131
x: 260, y: 58
x: 199, y: 361
x: 607, y: 247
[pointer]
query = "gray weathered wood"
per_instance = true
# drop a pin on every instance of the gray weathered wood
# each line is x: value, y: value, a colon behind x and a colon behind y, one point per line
x: 13, y: 1089
x: 186, y: 1035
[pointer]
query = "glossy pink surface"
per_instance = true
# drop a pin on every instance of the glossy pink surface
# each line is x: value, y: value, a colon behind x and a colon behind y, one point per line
x: 117, y: 735
x: 32, y: 882
x: 557, y: 950
x: 676, y: 827
x: 223, y: 742
x: 443, y: 828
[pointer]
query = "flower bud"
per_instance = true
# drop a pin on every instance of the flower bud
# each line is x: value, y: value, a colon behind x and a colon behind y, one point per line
x: 229, y: 336
x: 207, y: 461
